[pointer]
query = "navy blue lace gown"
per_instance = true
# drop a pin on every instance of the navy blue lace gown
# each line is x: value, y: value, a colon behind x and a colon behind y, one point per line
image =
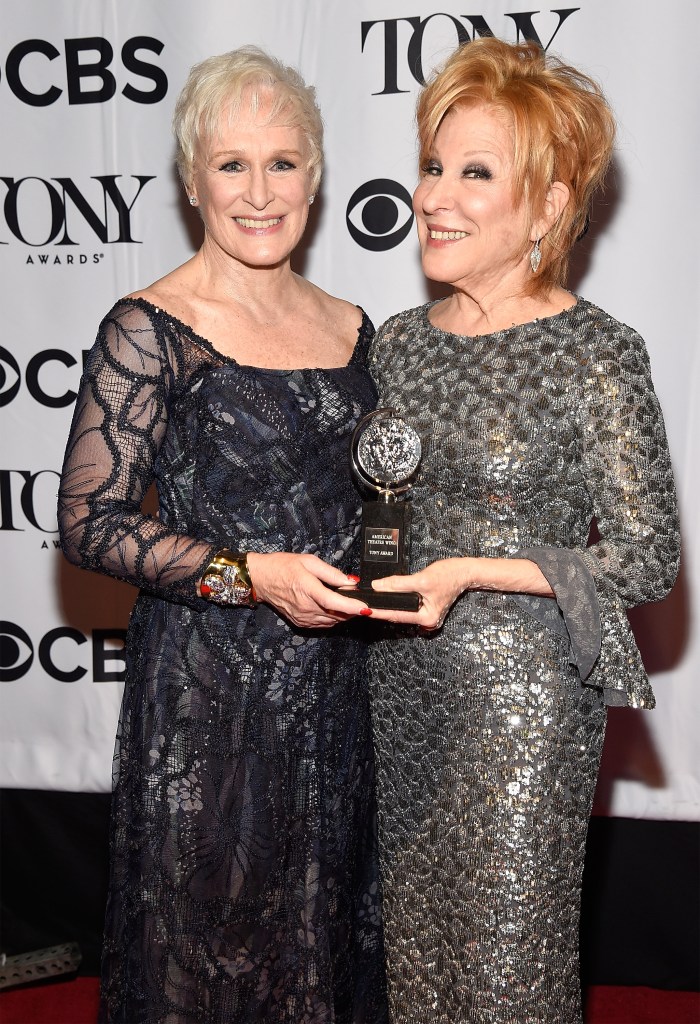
x: 244, y: 883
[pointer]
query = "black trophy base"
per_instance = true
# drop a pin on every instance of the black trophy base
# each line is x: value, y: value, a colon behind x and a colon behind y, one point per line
x: 385, y: 539
x: 390, y: 600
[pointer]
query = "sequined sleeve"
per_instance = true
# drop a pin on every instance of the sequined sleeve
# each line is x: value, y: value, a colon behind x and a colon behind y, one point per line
x: 118, y: 426
x: 627, y: 467
x: 627, y: 472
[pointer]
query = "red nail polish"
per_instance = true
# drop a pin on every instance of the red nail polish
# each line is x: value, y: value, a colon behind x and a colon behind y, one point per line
x: 365, y: 611
x: 353, y: 577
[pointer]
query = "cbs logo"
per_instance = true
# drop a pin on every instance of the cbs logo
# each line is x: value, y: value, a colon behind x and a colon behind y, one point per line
x: 57, y: 655
x: 43, y: 377
x: 85, y: 67
x: 379, y: 214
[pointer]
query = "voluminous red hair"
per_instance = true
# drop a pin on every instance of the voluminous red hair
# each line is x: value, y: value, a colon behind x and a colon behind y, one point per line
x: 563, y: 130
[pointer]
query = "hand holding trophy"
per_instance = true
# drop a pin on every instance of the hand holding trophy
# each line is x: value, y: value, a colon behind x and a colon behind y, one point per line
x: 384, y: 453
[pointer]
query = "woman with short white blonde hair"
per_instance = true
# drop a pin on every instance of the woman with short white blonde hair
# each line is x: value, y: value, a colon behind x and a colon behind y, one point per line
x: 244, y: 882
x: 252, y: 77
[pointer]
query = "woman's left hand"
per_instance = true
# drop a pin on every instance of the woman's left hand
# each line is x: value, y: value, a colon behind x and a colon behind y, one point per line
x: 439, y: 585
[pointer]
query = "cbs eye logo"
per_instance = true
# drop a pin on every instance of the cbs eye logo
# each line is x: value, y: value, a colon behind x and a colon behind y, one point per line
x: 14, y: 662
x: 374, y: 211
x: 37, y: 377
x: 17, y: 652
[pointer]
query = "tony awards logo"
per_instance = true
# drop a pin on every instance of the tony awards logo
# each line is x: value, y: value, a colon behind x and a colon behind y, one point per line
x: 384, y: 454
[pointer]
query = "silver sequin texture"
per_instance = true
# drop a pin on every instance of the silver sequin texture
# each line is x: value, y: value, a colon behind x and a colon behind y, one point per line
x: 488, y: 741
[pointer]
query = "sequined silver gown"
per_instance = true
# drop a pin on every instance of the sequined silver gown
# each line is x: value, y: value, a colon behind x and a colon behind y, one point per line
x: 489, y: 732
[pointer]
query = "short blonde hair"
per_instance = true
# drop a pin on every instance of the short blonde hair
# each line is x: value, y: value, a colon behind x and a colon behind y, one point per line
x: 563, y: 130
x: 223, y: 82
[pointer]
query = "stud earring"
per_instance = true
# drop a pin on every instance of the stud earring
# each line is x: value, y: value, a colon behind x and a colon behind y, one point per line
x: 311, y: 199
x: 535, y: 257
x: 193, y: 200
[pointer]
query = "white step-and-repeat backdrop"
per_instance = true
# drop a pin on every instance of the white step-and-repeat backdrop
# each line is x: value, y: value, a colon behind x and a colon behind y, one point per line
x: 91, y: 209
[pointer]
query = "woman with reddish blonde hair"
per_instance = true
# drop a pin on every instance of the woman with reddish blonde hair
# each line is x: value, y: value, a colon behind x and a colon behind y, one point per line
x: 538, y: 415
x: 562, y: 131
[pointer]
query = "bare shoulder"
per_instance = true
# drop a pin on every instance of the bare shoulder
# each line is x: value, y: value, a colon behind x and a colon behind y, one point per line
x: 343, y: 315
x: 168, y: 292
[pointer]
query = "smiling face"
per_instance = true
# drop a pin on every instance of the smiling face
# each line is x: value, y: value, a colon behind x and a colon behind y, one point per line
x: 252, y: 185
x: 473, y: 231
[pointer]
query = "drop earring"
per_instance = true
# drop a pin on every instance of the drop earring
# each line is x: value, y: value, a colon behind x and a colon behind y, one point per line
x: 535, y: 257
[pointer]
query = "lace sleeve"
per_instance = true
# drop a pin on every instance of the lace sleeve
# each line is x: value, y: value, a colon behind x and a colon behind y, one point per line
x: 118, y: 426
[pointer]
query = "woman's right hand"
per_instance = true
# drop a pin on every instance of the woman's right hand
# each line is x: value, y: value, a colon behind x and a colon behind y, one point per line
x: 294, y: 586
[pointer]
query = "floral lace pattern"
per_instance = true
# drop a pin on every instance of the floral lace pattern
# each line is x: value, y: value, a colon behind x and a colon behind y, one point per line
x: 244, y: 881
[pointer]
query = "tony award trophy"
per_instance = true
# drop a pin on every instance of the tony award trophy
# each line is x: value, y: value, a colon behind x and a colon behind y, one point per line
x: 384, y: 454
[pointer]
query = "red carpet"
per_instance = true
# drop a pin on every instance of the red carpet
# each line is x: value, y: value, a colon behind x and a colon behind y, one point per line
x: 609, y: 1005
x: 75, y: 1002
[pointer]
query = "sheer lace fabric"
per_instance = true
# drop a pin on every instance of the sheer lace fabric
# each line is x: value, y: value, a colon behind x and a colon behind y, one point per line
x: 244, y: 880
